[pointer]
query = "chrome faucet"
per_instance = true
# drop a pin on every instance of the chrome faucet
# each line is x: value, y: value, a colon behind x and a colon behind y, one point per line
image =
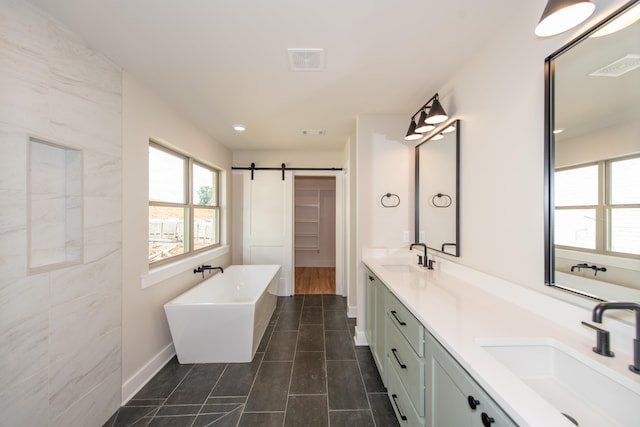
x: 598, y: 312
x: 423, y: 260
x: 203, y: 268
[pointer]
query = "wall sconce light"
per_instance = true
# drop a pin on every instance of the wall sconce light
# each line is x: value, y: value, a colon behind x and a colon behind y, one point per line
x: 431, y: 113
x: 562, y: 15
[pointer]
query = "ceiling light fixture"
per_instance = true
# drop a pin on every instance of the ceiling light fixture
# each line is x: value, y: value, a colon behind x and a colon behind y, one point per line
x: 562, y: 15
x: 412, y: 135
x: 239, y: 128
x: 431, y: 113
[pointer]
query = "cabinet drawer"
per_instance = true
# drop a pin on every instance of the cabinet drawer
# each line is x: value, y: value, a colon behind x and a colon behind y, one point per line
x: 410, y: 327
x: 454, y: 391
x: 405, y: 412
x: 409, y: 367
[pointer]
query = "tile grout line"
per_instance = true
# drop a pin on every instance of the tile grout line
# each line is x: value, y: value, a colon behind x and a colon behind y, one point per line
x: 326, y: 368
x: 266, y: 346
x: 293, y: 364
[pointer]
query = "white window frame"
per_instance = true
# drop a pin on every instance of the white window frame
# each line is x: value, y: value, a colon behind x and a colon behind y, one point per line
x: 189, y: 205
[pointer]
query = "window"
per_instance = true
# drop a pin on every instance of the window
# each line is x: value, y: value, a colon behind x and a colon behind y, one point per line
x: 598, y: 206
x: 184, y: 209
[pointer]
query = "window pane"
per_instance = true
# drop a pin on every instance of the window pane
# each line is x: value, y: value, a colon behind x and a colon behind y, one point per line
x: 166, y: 176
x: 575, y: 227
x: 205, y: 227
x: 577, y: 187
x: 166, y: 232
x: 625, y: 181
x: 204, y: 186
x: 625, y: 230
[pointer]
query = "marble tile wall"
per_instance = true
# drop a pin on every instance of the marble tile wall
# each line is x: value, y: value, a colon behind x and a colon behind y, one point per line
x: 55, y: 217
x: 61, y: 329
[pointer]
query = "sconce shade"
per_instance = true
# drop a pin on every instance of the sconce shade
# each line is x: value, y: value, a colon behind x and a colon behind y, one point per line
x: 562, y: 15
x: 411, y: 133
x: 436, y: 113
x: 424, y: 127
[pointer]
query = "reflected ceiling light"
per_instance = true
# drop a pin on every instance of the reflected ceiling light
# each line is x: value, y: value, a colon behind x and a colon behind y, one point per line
x: 412, y: 135
x: 431, y: 113
x: 562, y: 15
x: 437, y: 137
x: 557, y: 131
x: 239, y: 128
x: 449, y: 129
x: 620, y: 23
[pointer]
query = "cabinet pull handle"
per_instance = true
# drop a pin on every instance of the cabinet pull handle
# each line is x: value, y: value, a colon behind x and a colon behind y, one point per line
x: 395, y: 354
x: 473, y: 403
x: 487, y: 420
x: 395, y: 402
x: 393, y: 313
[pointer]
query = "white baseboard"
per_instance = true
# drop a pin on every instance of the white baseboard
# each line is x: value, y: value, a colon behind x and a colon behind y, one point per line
x: 360, y: 338
x: 142, y: 377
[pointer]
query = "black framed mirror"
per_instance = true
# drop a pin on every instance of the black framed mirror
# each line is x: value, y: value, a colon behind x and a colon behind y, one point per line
x: 437, y: 189
x: 592, y: 160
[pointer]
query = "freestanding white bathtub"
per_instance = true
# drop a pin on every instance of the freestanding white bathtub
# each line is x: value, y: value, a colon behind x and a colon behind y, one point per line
x: 222, y: 319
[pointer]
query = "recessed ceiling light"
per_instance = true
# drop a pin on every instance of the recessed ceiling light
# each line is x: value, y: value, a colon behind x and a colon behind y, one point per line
x: 239, y: 128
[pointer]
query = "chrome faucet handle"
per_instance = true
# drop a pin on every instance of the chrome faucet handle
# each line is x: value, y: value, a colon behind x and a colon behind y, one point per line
x: 602, y: 341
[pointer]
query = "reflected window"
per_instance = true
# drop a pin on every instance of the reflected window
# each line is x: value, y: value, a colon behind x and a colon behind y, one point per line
x: 597, y: 207
x: 624, y: 206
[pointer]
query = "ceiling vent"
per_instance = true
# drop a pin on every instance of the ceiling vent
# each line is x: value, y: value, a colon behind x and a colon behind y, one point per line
x: 619, y: 67
x: 306, y: 59
x: 313, y: 132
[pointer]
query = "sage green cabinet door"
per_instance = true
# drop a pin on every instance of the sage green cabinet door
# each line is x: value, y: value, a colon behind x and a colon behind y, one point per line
x: 370, y: 307
x: 379, y: 350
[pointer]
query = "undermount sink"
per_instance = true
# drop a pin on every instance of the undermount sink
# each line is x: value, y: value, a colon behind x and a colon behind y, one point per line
x: 399, y: 268
x: 586, y: 391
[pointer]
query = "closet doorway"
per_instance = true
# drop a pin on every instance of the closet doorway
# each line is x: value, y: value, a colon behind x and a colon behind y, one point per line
x: 315, y: 235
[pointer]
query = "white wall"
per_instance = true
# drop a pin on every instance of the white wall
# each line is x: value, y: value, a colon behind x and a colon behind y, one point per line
x: 292, y: 159
x: 385, y: 164
x: 60, y: 330
x: 499, y: 96
x: 146, y: 340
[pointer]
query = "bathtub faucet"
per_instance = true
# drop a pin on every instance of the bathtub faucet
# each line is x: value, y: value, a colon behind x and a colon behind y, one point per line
x: 203, y: 268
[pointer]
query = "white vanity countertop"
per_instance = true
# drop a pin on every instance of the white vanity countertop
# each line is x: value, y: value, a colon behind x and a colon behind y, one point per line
x: 458, y: 314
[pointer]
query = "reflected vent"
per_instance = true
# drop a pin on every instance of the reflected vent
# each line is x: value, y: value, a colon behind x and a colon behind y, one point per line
x: 619, y: 67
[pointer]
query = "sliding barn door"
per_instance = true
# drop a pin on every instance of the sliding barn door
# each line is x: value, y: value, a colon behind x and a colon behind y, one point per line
x: 267, y: 223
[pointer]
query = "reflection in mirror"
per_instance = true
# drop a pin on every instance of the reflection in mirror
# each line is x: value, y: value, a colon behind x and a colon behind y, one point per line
x: 593, y: 161
x: 437, y: 190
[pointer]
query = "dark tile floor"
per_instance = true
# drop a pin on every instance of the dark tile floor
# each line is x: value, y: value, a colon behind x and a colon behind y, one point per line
x: 307, y: 372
